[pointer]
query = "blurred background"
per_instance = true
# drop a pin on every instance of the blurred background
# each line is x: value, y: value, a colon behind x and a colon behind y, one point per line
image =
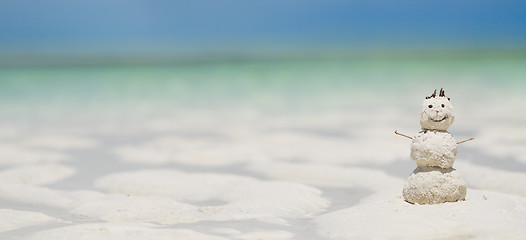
x: 110, y: 64
x: 197, y: 52
x: 337, y: 66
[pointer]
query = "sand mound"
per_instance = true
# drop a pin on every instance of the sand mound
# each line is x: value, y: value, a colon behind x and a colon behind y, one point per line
x: 392, y: 218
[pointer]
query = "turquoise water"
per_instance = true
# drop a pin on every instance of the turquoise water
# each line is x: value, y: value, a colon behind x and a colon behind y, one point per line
x: 286, y: 83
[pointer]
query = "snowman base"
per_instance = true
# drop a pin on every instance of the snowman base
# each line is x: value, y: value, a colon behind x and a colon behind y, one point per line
x: 434, y: 185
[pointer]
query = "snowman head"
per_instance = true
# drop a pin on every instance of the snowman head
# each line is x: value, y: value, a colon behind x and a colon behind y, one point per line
x: 437, y: 112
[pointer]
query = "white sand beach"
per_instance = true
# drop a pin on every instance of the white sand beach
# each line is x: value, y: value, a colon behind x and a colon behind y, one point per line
x: 315, y: 160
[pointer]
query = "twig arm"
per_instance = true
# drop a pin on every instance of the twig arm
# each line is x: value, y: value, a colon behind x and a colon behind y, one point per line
x: 465, y: 140
x: 403, y: 135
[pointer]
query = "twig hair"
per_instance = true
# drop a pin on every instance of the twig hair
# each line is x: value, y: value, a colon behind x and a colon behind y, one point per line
x: 442, y: 93
x: 432, y: 95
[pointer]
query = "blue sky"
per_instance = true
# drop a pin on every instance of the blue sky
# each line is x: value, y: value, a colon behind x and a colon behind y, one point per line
x: 204, y: 25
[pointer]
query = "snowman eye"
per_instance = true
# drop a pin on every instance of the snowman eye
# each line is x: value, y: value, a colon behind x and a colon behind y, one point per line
x: 443, y: 105
x: 430, y: 106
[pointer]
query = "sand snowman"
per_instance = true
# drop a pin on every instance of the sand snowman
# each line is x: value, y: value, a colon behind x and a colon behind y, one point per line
x: 434, y: 150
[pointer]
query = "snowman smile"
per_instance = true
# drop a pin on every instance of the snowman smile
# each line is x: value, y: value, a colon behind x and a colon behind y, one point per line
x: 445, y: 117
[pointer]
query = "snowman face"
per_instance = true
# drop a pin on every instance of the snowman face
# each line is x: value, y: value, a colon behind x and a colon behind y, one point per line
x: 437, y: 114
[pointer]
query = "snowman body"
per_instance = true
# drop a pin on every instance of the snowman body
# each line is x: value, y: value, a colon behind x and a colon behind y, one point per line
x: 434, y: 151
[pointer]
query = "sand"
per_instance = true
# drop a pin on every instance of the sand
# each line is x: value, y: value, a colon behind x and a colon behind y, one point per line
x: 16, y: 219
x: 484, y: 215
x: 293, y: 161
